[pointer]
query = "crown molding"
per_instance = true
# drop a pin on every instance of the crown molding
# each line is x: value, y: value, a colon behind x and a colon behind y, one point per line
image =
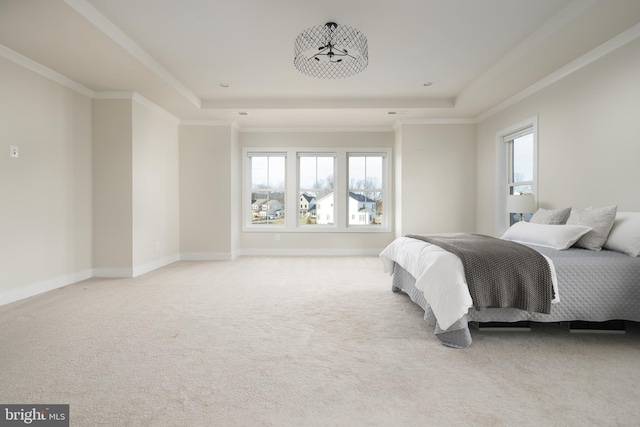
x: 114, y: 95
x: 440, y: 121
x: 92, y: 15
x: 312, y: 104
x: 552, y: 26
x: 134, y: 96
x: 154, y: 107
x: 206, y: 123
x: 46, y: 72
x: 316, y: 129
x: 63, y: 80
x: 604, y: 49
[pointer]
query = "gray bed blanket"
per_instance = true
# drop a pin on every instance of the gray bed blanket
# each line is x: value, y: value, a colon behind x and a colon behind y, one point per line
x: 499, y: 273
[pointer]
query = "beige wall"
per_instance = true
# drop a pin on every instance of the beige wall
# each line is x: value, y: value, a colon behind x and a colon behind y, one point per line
x: 436, y: 176
x: 206, y: 192
x: 398, y: 159
x: 155, y: 189
x: 112, y: 187
x: 588, y: 141
x: 45, y: 194
x: 236, y: 191
x: 136, y: 196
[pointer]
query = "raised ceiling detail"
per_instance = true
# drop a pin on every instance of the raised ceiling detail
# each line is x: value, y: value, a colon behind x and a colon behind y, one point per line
x: 479, y: 54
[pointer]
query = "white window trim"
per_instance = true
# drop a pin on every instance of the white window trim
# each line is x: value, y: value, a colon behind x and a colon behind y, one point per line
x: 292, y: 223
x: 502, y: 218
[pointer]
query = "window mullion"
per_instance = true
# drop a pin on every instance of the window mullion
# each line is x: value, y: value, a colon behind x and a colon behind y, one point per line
x: 291, y: 185
x: 341, y: 191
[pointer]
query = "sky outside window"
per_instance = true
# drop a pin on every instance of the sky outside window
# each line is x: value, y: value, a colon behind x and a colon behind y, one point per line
x: 316, y: 172
x: 267, y: 172
x: 523, y: 158
x: 365, y: 172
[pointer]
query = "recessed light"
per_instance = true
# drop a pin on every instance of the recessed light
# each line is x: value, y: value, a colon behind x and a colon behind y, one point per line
x: 427, y: 84
x: 224, y: 84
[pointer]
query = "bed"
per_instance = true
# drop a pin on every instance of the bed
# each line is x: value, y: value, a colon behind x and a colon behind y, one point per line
x: 591, y: 283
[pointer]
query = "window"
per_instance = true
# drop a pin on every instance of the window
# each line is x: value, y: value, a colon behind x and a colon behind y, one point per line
x: 365, y: 188
x: 267, y: 188
x: 303, y: 190
x: 518, y: 159
x: 520, y: 163
x: 520, y: 167
x: 316, y: 188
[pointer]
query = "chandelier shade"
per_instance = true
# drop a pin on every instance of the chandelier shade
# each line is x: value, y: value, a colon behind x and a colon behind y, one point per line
x: 331, y: 51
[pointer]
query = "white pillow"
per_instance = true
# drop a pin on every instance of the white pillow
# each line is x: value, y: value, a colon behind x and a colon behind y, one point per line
x: 556, y: 236
x: 625, y: 234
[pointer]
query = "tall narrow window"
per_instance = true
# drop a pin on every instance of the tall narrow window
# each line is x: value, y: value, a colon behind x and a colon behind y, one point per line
x: 267, y: 188
x: 365, y: 194
x: 316, y: 188
x: 520, y: 166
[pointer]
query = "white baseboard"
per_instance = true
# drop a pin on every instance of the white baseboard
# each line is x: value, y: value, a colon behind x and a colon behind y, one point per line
x: 113, y: 273
x: 154, y: 265
x: 121, y: 273
x: 309, y: 252
x: 206, y: 256
x: 41, y: 287
x: 226, y: 256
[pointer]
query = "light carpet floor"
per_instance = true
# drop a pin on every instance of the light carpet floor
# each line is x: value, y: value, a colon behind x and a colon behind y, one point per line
x: 288, y: 341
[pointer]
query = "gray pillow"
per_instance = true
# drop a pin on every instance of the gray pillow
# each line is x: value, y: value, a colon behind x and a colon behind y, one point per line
x: 551, y: 216
x: 600, y: 219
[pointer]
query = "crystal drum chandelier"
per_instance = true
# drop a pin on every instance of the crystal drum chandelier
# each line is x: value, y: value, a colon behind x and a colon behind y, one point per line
x: 331, y: 51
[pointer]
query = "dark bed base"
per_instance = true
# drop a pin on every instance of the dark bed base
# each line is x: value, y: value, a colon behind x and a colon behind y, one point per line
x: 609, y: 327
x: 524, y: 326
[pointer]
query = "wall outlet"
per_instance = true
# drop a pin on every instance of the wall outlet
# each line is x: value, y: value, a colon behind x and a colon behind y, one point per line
x: 13, y: 151
x: 277, y: 237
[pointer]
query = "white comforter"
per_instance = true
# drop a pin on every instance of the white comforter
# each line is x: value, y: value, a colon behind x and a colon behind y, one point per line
x: 439, y: 276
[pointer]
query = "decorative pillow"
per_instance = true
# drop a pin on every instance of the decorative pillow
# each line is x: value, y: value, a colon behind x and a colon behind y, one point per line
x: 625, y: 234
x: 548, y: 235
x: 551, y: 216
x: 600, y: 219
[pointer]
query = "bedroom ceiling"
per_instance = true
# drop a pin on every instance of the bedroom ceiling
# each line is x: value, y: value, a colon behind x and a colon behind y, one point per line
x: 476, y: 54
